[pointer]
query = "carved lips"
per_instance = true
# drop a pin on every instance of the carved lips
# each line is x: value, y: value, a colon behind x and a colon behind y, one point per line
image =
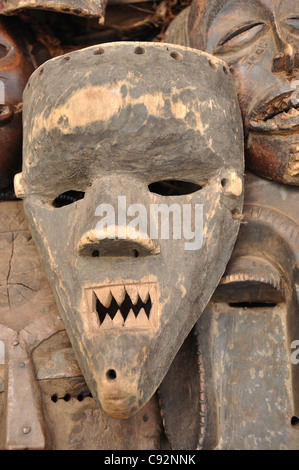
x: 276, y: 113
x: 124, y: 306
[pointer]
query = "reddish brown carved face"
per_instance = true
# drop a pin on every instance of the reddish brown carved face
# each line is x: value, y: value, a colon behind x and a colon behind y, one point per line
x: 259, y: 39
x: 15, y: 69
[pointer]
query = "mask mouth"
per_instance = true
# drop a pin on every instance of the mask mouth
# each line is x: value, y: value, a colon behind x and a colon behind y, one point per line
x: 124, y: 306
x: 279, y: 112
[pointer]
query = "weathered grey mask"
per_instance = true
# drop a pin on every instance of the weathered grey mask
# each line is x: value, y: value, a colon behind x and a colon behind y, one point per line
x: 142, y: 126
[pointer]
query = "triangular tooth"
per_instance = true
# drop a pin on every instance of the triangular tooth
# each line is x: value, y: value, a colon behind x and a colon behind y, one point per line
x: 118, y: 293
x: 132, y: 293
x: 104, y: 295
x: 142, y: 320
x: 118, y: 320
x: 131, y: 320
x: 143, y: 292
x: 107, y: 323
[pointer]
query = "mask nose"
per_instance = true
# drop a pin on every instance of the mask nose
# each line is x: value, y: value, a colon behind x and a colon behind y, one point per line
x: 116, y: 241
x: 287, y: 60
x: 108, y: 229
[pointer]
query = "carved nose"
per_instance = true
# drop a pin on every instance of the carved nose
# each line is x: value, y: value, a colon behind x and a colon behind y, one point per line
x: 286, y: 61
x: 117, y: 241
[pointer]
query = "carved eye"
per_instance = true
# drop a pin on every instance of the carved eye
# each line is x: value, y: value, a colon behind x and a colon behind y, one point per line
x: 239, y: 37
x: 67, y: 198
x: 173, y: 188
x: 292, y: 25
x: 3, y: 51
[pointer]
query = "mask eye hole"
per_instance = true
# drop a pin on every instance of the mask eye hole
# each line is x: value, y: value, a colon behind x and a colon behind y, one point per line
x: 253, y: 304
x: 173, y: 188
x: 67, y: 198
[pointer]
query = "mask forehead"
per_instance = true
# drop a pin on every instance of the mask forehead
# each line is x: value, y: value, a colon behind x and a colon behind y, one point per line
x: 145, y: 116
x: 150, y: 112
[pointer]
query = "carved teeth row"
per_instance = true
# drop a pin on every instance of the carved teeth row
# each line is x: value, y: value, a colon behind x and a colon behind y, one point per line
x: 141, y: 321
x: 105, y: 294
x: 122, y: 305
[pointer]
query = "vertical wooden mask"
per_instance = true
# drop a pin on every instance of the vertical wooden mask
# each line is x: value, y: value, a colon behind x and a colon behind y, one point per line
x: 114, y: 134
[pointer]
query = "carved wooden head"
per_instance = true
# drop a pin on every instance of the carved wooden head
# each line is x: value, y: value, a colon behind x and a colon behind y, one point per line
x: 259, y: 40
x: 132, y: 185
x: 16, y: 66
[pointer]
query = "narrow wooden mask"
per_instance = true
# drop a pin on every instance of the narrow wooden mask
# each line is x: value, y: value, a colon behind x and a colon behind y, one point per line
x: 114, y: 135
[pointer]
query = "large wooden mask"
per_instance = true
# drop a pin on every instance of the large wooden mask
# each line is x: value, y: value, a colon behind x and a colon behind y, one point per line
x: 132, y: 185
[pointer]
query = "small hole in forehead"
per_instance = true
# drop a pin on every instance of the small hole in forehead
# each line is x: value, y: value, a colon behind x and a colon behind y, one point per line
x: 139, y: 50
x: 65, y: 59
x: 176, y: 55
x: 99, y: 51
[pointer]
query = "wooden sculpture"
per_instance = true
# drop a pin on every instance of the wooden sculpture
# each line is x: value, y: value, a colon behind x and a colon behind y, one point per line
x: 128, y: 125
